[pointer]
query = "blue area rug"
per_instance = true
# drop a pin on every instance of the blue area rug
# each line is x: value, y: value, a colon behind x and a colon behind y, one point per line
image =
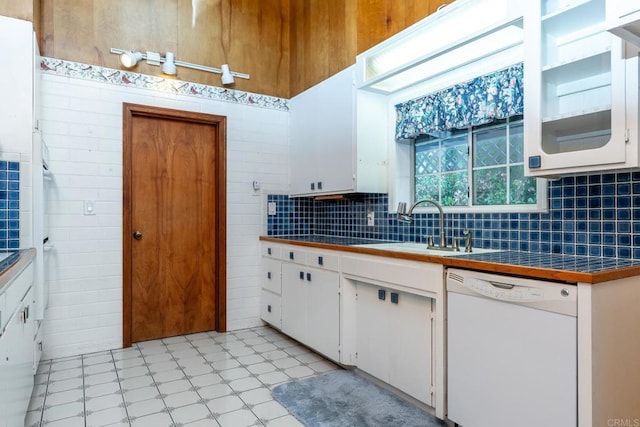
x: 342, y: 398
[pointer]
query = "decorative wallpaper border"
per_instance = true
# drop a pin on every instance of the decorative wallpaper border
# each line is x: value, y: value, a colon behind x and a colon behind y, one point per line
x: 96, y: 73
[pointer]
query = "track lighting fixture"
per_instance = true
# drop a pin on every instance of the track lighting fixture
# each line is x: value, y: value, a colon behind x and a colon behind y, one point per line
x: 227, y: 78
x: 169, y: 66
x: 129, y: 59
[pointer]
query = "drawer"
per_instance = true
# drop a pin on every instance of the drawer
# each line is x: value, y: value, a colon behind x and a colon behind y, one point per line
x: 293, y: 254
x: 270, y: 250
x: 271, y: 274
x: 16, y: 290
x: 396, y: 274
x: 323, y: 260
x: 270, y: 308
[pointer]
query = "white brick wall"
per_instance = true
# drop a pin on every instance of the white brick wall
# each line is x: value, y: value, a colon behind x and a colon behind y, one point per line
x: 82, y: 125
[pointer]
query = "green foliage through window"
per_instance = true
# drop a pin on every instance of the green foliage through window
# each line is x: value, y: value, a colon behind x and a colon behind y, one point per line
x: 482, y: 166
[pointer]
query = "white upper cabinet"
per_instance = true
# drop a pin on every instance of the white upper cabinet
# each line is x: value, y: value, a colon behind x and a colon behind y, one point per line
x: 623, y: 19
x: 16, y: 110
x: 328, y: 155
x: 581, y: 90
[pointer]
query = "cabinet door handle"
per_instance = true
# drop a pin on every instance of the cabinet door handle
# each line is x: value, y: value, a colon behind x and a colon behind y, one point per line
x: 269, y: 275
x: 382, y: 294
x: 319, y: 185
x: 320, y: 260
x: 291, y: 255
x: 394, y: 298
x: 269, y: 308
x: 313, y: 185
x: 268, y: 251
x: 308, y: 277
x: 302, y: 275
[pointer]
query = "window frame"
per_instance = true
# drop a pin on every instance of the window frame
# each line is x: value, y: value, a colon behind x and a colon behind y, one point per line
x: 401, y: 183
x: 469, y: 136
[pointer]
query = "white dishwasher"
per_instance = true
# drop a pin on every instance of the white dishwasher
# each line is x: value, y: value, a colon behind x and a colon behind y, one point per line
x: 511, y: 351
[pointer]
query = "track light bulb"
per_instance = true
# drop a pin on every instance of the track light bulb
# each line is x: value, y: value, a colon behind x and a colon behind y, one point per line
x: 129, y: 59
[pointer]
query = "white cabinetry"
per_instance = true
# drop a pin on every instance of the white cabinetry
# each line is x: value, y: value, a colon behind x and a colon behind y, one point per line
x: 581, y: 93
x: 623, y: 19
x: 300, y: 295
x: 16, y: 110
x: 394, y: 338
x: 310, y: 300
x: 327, y: 156
x: 271, y: 285
x: 17, y: 349
x: 396, y: 323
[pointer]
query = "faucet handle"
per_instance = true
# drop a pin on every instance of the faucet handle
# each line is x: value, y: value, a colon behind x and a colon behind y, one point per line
x: 402, y: 207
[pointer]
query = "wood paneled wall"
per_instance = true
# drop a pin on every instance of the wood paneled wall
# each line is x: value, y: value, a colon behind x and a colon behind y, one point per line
x: 252, y: 36
x: 286, y: 46
x: 28, y: 10
x: 326, y: 35
x: 380, y: 19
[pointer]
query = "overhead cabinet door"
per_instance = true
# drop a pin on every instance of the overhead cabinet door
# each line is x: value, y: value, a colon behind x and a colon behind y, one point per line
x: 323, y: 137
x: 575, y: 93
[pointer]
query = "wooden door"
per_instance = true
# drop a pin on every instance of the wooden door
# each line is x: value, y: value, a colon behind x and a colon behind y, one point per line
x: 174, y: 223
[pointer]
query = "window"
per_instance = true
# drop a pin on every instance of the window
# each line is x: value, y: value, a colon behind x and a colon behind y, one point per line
x: 482, y: 166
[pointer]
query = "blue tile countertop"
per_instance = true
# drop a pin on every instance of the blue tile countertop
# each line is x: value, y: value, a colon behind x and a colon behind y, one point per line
x: 582, y: 264
x: 331, y: 240
x: 567, y: 268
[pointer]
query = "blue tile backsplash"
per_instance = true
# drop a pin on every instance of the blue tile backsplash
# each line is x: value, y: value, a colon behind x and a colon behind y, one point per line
x: 9, y: 205
x: 594, y: 215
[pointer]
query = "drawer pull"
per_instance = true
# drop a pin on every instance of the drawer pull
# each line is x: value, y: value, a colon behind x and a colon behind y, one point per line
x: 269, y: 275
x: 269, y: 308
x: 302, y: 275
x: 308, y: 277
x: 394, y: 298
x: 319, y: 185
x: 382, y: 294
x: 320, y: 261
x: 291, y: 255
x: 268, y: 251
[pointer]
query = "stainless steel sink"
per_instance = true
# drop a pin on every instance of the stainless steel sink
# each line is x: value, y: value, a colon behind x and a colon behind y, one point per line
x: 421, y: 248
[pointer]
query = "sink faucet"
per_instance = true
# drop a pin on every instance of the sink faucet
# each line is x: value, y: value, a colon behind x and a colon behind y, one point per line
x: 467, y: 240
x: 404, y: 216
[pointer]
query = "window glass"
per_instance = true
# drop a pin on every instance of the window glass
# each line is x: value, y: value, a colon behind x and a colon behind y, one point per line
x: 486, y: 162
x: 441, y: 169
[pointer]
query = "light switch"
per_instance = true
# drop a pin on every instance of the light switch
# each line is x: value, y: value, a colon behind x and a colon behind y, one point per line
x: 370, y: 217
x: 89, y: 207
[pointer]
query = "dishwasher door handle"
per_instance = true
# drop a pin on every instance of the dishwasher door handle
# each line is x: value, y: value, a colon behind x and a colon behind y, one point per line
x: 502, y: 285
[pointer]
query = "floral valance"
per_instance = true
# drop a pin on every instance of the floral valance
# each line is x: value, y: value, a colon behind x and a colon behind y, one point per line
x: 479, y: 101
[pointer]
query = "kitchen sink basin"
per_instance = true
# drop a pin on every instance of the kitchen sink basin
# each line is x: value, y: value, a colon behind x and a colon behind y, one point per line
x: 421, y: 248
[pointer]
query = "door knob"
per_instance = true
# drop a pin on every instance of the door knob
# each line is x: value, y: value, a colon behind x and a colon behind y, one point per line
x: 137, y: 235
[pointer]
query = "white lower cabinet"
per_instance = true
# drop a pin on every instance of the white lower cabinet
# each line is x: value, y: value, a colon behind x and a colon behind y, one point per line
x: 310, y: 307
x: 384, y: 316
x: 394, y: 338
x: 16, y: 364
x: 299, y: 295
x: 271, y: 284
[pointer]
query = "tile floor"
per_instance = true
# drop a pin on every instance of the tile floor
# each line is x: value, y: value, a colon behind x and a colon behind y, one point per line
x: 206, y: 379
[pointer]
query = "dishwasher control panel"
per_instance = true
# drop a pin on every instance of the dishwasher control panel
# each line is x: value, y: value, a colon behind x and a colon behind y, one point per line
x: 549, y: 296
x: 505, y: 291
